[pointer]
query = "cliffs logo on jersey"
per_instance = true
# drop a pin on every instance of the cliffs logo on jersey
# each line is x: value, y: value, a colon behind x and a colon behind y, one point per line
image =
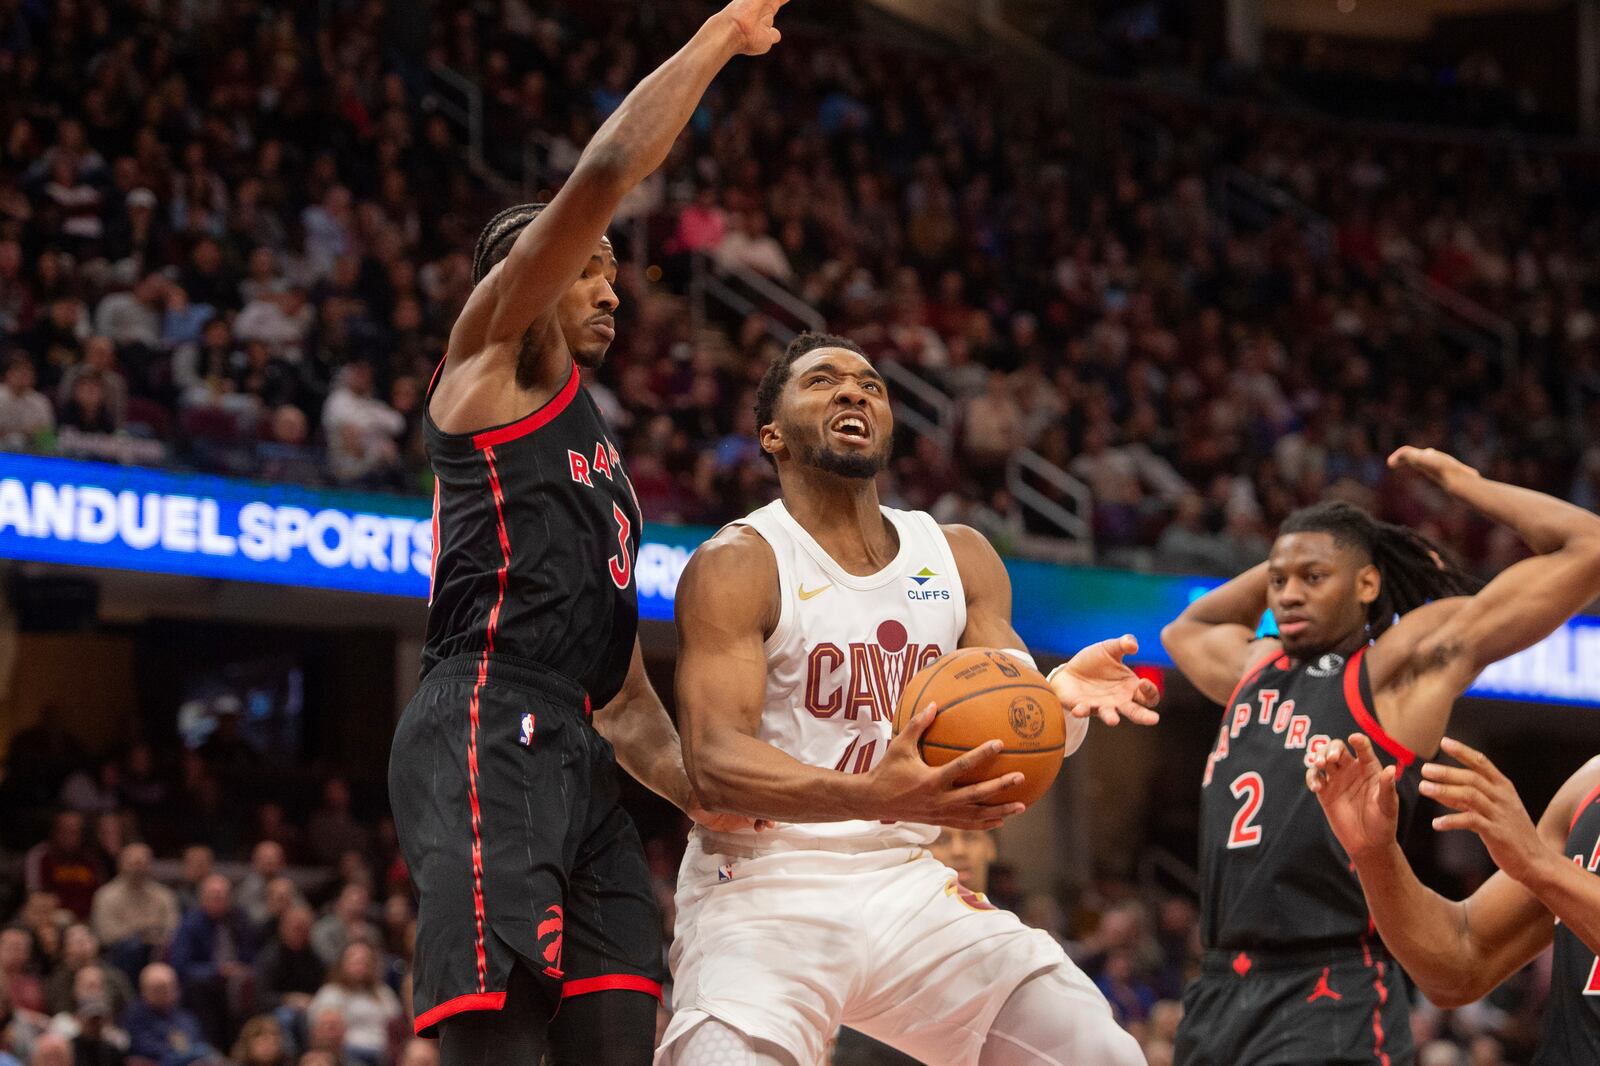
x: 861, y: 677
x: 922, y: 591
x: 1330, y: 665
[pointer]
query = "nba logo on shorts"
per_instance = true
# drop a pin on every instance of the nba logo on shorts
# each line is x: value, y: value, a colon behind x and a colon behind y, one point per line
x: 527, y: 730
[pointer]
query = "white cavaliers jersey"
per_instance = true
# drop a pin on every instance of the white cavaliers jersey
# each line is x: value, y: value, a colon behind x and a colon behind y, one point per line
x: 843, y: 648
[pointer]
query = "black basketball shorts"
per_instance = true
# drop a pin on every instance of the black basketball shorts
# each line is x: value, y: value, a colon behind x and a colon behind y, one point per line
x: 505, y: 803
x: 1330, y: 1008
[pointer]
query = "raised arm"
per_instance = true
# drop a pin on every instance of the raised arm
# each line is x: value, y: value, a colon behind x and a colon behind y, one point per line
x: 1094, y: 682
x: 1456, y: 951
x: 554, y: 248
x: 1432, y: 655
x: 1214, y: 640
x: 727, y: 603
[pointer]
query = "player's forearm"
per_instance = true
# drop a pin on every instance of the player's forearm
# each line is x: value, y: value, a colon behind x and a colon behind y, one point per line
x: 639, y: 134
x: 1426, y: 933
x: 742, y: 775
x: 1571, y: 893
x: 647, y: 746
x: 1241, y: 601
x: 1545, y: 523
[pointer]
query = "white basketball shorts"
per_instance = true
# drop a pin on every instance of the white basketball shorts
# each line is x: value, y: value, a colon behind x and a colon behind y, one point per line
x: 786, y: 947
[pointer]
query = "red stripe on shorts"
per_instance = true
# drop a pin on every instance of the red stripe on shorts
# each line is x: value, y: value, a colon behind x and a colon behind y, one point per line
x: 472, y: 741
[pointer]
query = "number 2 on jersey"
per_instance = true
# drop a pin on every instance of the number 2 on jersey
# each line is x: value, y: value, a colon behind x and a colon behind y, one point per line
x: 621, y: 565
x: 1244, y: 833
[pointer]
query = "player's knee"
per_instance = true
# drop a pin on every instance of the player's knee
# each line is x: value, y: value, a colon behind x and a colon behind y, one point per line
x: 714, y: 1043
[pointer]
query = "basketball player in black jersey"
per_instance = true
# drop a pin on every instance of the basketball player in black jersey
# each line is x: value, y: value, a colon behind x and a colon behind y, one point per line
x: 1292, y: 971
x: 1546, y: 887
x: 533, y: 890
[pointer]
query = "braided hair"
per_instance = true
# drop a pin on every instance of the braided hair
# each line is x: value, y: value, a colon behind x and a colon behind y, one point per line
x: 497, y: 237
x: 1413, y: 568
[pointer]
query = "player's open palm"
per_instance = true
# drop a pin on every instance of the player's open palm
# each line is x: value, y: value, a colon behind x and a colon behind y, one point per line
x: 1097, y: 682
x: 903, y: 788
x: 1357, y: 793
x: 754, y: 19
x: 1486, y: 802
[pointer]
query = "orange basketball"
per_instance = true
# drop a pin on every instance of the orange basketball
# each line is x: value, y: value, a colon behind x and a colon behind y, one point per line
x: 983, y: 694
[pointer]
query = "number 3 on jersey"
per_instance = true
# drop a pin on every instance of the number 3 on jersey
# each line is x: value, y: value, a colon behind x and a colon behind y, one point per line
x: 1244, y: 833
x: 621, y: 565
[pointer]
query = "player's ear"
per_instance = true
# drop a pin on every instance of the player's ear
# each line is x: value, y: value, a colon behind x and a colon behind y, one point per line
x: 1368, y: 584
x: 771, y: 439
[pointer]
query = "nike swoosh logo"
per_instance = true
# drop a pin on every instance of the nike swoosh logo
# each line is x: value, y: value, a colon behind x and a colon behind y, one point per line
x: 804, y: 595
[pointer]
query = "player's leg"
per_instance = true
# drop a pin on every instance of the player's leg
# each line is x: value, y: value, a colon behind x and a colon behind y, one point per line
x: 513, y: 1034
x: 612, y: 940
x: 714, y: 1043
x: 1058, y: 1019
x: 616, y: 1027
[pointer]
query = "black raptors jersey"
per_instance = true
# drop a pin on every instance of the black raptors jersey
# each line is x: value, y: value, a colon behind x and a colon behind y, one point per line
x: 1273, y: 876
x: 1572, y: 1014
x: 535, y: 529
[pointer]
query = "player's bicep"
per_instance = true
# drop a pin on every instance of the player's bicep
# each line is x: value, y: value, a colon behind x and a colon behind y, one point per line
x: 721, y: 606
x: 1524, y: 603
x: 1212, y: 656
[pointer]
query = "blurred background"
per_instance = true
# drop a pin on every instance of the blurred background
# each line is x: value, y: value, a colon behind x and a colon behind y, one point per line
x: 1144, y: 277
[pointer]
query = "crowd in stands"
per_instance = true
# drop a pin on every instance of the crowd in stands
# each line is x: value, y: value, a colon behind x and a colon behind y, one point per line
x: 234, y: 237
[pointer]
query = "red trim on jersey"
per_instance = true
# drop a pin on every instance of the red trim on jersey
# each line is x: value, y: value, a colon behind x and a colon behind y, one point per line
x: 1380, y: 1055
x: 452, y: 1007
x: 523, y: 426
x: 436, y: 372
x: 472, y: 738
x: 1249, y: 677
x: 1365, y: 718
x: 433, y: 562
x: 625, y: 982
x: 1590, y: 798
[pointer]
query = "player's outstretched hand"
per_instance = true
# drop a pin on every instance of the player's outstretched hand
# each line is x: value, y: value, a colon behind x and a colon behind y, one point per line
x: 1097, y: 682
x: 754, y: 20
x: 1438, y: 467
x: 1487, y: 803
x: 1357, y: 794
x: 903, y: 788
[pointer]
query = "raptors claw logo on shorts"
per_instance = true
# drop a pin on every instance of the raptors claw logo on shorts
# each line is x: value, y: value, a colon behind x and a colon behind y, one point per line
x: 551, y: 927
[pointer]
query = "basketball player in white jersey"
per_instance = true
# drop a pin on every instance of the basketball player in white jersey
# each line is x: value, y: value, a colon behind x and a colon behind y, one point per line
x: 797, y: 628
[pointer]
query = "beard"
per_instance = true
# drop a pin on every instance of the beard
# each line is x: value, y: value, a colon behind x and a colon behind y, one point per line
x: 847, y: 464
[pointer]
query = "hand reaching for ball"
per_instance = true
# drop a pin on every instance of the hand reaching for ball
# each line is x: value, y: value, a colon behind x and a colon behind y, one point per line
x: 903, y: 788
x: 1097, y: 682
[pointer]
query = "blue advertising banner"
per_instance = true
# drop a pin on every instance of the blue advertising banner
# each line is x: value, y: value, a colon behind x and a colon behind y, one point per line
x: 133, y: 518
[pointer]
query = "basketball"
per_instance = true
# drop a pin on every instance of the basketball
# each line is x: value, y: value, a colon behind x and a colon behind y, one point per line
x: 984, y: 694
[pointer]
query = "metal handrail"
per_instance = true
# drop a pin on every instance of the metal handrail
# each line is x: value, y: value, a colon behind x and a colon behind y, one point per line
x: 1154, y: 860
x: 1075, y: 526
x: 469, y: 115
x: 939, y: 421
x: 770, y: 290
